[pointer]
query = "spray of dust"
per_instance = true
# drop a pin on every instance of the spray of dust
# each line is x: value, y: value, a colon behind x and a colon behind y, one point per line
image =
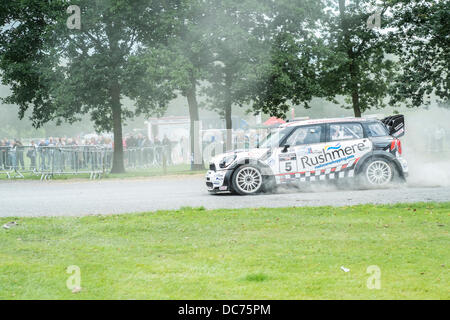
x: 426, y: 146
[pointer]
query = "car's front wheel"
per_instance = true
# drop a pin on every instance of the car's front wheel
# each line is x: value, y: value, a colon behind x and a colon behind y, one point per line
x: 247, y: 180
x: 378, y: 173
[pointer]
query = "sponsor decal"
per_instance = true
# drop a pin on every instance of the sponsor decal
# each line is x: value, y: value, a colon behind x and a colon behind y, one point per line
x: 332, y: 155
x: 336, y: 147
x: 335, y: 161
x: 288, y: 157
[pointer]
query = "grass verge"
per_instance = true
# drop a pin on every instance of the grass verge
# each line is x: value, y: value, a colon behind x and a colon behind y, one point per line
x: 182, y: 169
x: 193, y: 253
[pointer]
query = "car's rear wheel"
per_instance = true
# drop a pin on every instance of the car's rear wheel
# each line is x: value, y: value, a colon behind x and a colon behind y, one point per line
x: 378, y: 173
x: 247, y: 180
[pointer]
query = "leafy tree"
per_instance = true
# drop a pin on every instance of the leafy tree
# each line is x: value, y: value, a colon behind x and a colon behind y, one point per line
x: 327, y: 50
x: 186, y: 57
x: 62, y: 73
x: 236, y: 30
x: 360, y: 68
x: 421, y: 32
x: 290, y: 74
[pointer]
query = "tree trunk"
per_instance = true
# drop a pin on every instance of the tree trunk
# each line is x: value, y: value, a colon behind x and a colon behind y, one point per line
x: 229, y: 126
x: 355, y: 102
x: 118, y: 166
x: 196, y: 156
x: 353, y: 68
x: 113, y: 35
x: 228, y: 121
x: 355, y: 90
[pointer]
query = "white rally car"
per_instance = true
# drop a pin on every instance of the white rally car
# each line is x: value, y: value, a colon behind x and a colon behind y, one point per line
x: 367, y: 150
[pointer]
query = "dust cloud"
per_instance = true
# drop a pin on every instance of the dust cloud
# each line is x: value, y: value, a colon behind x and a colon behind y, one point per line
x: 426, y: 146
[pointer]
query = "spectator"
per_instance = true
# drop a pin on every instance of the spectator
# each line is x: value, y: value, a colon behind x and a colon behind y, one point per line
x: 158, y: 151
x: 167, y: 145
x: 3, y: 154
x: 19, y: 154
x: 148, y: 150
x: 31, y: 153
x: 42, y: 150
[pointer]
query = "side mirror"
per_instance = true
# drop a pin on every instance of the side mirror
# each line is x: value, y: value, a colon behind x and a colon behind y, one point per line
x: 286, y: 148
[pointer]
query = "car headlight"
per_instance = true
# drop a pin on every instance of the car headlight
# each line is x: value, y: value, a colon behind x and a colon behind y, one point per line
x: 226, y: 161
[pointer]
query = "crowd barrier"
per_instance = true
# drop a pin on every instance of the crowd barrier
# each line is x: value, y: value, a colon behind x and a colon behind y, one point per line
x: 46, y: 162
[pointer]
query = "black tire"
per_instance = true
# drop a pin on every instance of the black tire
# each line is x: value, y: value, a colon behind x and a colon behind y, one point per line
x: 269, y: 184
x: 247, y: 180
x: 377, y: 173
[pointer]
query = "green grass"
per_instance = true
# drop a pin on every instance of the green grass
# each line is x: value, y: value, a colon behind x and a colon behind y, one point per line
x: 290, y: 253
x: 182, y: 169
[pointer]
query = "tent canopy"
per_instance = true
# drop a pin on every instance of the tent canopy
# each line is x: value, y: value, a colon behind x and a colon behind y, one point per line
x: 272, y: 121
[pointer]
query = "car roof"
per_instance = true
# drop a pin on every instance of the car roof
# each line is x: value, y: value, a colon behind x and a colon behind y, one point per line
x: 321, y: 121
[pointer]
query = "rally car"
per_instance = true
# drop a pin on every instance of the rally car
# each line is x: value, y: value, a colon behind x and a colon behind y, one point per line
x: 298, y: 152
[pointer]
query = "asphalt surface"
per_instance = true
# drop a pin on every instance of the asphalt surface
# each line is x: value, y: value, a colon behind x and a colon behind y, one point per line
x: 76, y: 198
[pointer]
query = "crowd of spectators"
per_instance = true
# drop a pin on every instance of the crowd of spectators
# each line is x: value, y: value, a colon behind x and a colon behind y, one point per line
x: 11, y: 154
x: 77, y: 153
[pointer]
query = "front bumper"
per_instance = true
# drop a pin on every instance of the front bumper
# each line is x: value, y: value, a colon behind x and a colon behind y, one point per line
x: 218, y: 180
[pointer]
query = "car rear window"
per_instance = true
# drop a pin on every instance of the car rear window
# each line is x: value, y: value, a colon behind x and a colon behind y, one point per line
x: 376, y: 129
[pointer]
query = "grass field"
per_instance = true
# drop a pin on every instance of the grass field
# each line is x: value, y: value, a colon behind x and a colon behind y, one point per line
x: 291, y: 253
x: 182, y: 169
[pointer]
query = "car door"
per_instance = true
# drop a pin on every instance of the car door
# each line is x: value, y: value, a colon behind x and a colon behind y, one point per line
x: 302, y: 143
x: 346, y: 145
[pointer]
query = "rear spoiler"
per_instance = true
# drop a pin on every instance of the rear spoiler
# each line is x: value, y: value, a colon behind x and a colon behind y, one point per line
x: 395, y: 125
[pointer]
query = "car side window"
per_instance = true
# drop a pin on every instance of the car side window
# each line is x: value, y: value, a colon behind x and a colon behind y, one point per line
x: 305, y: 135
x: 346, y: 131
x: 377, y: 129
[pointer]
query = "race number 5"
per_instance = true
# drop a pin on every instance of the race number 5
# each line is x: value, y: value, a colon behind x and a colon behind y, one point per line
x: 288, y: 167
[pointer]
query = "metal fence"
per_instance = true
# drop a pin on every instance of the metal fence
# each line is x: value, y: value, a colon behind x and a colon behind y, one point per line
x: 46, y: 162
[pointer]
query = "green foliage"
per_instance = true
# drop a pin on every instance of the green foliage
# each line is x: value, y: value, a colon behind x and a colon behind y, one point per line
x: 423, y: 47
x: 289, y: 74
x: 188, y: 53
x: 237, y: 31
x: 62, y: 73
x: 360, y: 66
x: 27, y: 54
x: 267, y: 54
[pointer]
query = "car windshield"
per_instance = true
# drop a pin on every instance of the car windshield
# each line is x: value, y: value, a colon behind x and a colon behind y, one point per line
x: 273, y: 139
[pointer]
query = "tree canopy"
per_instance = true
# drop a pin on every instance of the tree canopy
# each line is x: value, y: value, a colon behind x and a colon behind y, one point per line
x: 266, y: 54
x: 61, y: 73
x: 422, y: 42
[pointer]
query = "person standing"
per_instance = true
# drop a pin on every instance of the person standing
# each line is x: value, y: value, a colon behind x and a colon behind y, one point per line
x: 31, y: 154
x: 147, y: 151
x: 42, y: 149
x: 12, y: 151
x: 158, y: 151
x: 19, y: 154
x: 2, y: 154
x: 167, y: 145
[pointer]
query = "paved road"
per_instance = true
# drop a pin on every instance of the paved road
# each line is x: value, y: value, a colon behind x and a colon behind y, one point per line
x: 70, y: 198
